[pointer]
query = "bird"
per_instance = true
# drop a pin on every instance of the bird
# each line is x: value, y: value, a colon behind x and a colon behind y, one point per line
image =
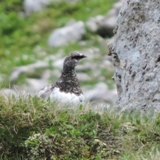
x: 66, y: 90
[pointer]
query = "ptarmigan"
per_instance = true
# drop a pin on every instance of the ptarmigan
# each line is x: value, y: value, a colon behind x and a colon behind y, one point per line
x: 66, y: 89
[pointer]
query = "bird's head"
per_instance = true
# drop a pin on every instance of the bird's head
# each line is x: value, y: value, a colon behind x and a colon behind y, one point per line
x: 72, y: 60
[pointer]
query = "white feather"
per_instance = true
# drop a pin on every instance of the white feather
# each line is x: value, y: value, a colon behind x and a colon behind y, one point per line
x: 68, y: 98
x: 62, y: 97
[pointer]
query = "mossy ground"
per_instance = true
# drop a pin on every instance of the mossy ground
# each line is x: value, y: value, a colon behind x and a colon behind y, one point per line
x: 33, y: 129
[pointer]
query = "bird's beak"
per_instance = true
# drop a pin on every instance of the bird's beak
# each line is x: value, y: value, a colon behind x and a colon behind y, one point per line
x: 83, y: 56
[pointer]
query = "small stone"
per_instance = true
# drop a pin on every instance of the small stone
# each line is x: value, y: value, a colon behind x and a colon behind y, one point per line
x: 67, y: 34
x: 100, y: 92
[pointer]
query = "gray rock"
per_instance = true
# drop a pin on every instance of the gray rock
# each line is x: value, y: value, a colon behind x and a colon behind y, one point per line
x: 34, y: 5
x: 59, y: 63
x: 136, y: 55
x: 67, y: 34
x: 31, y: 68
x: 83, y: 77
x: 101, y: 93
x: 34, y: 85
x: 23, y: 91
x: 7, y: 92
x: 94, y: 23
x: 16, y: 92
x: 70, y: 1
x: 38, y: 5
x: 84, y: 67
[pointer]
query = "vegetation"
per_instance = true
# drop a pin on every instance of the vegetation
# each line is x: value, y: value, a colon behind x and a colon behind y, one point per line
x: 33, y: 129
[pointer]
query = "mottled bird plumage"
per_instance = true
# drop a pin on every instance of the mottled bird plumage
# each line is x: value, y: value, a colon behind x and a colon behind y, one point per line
x: 67, y: 84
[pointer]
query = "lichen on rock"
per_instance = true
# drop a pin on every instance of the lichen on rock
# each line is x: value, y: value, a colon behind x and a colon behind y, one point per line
x: 136, y: 48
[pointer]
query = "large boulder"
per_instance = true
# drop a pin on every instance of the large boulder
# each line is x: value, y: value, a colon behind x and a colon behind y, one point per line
x: 136, y: 55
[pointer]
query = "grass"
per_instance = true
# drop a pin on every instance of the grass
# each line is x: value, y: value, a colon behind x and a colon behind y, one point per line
x: 34, y: 129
